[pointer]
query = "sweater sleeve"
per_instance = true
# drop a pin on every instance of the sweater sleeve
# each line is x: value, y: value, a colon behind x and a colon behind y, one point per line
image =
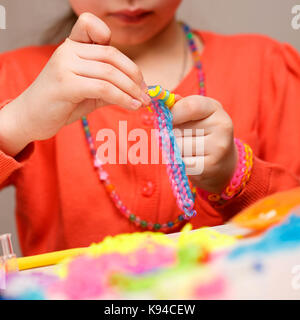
x: 9, y: 165
x: 276, y: 166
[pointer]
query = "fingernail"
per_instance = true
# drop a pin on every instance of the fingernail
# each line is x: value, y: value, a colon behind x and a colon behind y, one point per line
x: 144, y: 87
x: 136, y: 104
x: 146, y: 99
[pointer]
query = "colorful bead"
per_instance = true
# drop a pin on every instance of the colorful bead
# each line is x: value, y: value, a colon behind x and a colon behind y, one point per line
x: 132, y: 217
x: 109, y: 187
x: 144, y: 224
x: 170, y: 224
x: 190, y: 35
x: 157, y: 226
x: 103, y: 175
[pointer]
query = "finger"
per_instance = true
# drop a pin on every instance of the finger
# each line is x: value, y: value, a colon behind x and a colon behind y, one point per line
x: 107, y: 72
x: 193, y: 108
x: 219, y: 123
x: 191, y: 146
x: 106, y: 93
x: 194, y: 165
x: 191, y: 129
x: 90, y: 29
x: 112, y: 56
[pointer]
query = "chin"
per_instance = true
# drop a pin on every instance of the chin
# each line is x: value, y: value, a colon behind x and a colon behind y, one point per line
x: 129, y: 39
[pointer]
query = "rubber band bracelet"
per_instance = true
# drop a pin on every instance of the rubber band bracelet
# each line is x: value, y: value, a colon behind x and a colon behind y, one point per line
x: 239, y: 180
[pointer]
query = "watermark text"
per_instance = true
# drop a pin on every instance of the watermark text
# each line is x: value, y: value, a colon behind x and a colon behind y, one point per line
x: 296, y: 277
x: 2, y: 18
x: 296, y: 17
x: 139, y: 146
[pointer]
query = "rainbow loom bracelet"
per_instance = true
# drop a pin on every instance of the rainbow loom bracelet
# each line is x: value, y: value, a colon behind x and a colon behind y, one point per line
x: 162, y: 102
x: 239, y: 179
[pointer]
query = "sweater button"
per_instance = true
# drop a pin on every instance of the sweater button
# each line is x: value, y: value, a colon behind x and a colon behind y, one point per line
x: 147, y: 119
x: 148, y: 189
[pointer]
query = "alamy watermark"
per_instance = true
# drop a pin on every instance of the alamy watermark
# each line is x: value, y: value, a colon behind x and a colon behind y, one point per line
x: 296, y: 17
x: 2, y: 18
x: 296, y: 277
x: 136, y: 146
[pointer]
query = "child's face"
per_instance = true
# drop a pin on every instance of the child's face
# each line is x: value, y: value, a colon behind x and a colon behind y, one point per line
x: 131, y: 21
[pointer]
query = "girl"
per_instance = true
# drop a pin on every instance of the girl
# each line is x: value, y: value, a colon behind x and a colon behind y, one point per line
x: 101, y: 71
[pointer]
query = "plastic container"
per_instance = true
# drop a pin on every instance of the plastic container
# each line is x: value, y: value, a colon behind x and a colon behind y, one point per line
x: 7, y: 256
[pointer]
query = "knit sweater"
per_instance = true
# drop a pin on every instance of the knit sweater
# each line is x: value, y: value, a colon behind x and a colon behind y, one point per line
x: 60, y: 202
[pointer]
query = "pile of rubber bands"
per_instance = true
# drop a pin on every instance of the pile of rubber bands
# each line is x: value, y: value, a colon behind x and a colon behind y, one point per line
x: 202, y: 264
x: 131, y: 266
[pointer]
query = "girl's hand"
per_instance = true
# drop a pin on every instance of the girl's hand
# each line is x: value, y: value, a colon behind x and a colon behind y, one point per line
x: 83, y: 74
x: 215, y: 163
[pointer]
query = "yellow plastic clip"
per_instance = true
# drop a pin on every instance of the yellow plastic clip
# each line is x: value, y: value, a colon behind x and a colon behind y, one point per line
x: 171, y: 101
x: 159, y: 93
x: 154, y: 92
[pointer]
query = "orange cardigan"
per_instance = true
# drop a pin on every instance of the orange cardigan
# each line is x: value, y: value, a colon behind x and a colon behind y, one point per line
x: 62, y: 204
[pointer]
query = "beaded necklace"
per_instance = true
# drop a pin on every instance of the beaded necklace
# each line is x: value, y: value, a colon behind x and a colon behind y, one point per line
x: 162, y: 102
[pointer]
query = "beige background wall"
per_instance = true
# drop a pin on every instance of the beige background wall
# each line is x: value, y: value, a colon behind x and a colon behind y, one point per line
x: 27, y: 19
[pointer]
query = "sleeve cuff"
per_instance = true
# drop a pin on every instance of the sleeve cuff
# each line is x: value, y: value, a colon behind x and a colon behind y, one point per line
x: 4, y: 103
x: 8, y: 165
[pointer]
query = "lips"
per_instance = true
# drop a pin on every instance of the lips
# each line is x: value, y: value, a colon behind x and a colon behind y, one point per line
x: 131, y: 16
